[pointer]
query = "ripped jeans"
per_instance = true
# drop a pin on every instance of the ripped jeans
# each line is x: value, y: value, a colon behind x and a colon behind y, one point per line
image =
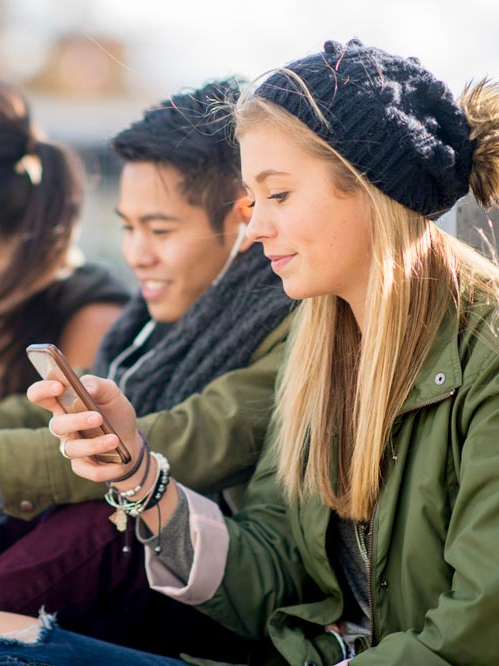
x: 52, y: 646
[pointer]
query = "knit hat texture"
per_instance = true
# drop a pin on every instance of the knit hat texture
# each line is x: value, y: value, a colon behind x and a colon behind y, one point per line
x: 388, y: 116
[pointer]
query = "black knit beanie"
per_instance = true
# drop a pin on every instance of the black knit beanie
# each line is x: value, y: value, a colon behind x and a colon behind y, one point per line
x: 388, y: 116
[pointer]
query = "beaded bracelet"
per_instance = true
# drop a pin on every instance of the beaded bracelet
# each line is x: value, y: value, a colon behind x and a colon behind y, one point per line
x: 133, y: 491
x: 151, y: 498
x: 158, y: 492
x: 162, y: 482
x: 125, y: 507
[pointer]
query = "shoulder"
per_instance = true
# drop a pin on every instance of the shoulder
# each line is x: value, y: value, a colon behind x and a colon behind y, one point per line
x: 87, y: 285
x: 276, y: 338
x: 92, y: 283
x: 479, y: 336
x: 83, y: 331
x: 90, y: 300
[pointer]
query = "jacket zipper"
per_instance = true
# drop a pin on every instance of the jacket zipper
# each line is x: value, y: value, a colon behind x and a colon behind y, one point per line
x: 370, y: 560
x: 364, y: 552
x: 433, y: 401
x: 369, y: 555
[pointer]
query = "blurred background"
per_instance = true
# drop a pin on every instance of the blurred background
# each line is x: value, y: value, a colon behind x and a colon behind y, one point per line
x: 90, y: 67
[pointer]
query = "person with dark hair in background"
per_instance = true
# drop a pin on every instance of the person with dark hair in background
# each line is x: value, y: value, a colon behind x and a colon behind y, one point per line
x: 369, y: 531
x: 196, y: 351
x: 47, y: 292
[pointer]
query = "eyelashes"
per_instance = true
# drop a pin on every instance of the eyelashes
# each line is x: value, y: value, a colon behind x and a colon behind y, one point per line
x: 278, y: 196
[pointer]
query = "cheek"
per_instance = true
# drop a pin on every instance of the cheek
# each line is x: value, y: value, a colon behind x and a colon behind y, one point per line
x: 125, y: 248
x: 168, y: 255
x: 187, y: 260
x: 357, y: 236
x: 175, y: 252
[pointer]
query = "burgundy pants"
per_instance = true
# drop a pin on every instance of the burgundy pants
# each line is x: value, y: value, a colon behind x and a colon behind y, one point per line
x: 70, y: 560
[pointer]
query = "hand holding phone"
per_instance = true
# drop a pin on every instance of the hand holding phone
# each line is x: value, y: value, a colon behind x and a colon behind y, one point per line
x: 51, y: 363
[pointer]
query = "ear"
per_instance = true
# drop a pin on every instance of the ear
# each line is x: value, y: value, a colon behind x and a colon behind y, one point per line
x: 244, y: 210
x: 240, y: 214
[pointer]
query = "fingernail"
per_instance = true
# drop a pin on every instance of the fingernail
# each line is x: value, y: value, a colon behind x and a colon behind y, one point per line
x: 93, y: 419
x: 110, y: 442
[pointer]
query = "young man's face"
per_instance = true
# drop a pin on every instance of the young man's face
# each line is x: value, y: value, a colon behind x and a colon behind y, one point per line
x: 168, y: 243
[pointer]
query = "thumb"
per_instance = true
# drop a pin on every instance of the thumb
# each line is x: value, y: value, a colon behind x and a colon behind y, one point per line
x: 103, y: 391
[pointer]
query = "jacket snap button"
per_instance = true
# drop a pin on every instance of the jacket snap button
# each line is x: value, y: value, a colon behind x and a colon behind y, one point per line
x: 440, y: 378
x: 26, y: 506
x: 384, y: 584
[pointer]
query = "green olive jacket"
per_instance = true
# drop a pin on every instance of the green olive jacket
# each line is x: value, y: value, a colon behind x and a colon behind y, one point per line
x: 213, y: 439
x: 434, y: 558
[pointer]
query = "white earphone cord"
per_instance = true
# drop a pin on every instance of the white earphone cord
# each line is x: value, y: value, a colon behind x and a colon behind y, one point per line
x: 241, y: 235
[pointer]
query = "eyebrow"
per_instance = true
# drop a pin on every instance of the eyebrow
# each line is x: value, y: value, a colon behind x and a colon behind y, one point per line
x: 268, y: 172
x: 149, y: 217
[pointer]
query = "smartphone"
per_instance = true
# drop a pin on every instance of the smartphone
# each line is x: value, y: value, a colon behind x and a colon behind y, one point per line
x: 51, y: 363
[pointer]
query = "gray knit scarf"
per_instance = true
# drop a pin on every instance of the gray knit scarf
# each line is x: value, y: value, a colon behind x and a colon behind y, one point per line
x: 218, y: 334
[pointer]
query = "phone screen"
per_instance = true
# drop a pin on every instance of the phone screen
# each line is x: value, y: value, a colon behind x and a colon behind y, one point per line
x: 48, y: 369
x: 51, y: 363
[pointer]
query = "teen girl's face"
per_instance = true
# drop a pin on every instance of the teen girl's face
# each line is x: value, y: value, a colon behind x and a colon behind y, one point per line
x: 169, y: 244
x: 316, y: 237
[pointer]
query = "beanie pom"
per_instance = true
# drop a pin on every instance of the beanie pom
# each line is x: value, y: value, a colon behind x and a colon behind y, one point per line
x: 480, y: 105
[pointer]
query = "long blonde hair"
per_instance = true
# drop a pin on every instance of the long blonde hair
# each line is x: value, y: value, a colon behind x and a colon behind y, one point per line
x: 339, y: 386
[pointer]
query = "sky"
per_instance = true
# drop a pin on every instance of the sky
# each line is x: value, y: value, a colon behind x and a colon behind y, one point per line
x: 183, y: 43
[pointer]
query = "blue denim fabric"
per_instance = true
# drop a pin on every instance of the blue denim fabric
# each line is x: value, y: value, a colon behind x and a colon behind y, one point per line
x: 56, y: 647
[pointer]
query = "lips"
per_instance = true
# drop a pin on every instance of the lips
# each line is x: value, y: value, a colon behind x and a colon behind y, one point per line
x: 152, y: 289
x: 153, y: 284
x: 279, y: 261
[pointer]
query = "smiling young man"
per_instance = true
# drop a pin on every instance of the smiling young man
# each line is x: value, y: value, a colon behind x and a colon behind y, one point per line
x: 196, y: 352
x: 171, y: 245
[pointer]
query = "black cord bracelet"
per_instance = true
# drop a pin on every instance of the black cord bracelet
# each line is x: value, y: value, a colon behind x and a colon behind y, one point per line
x: 144, y: 446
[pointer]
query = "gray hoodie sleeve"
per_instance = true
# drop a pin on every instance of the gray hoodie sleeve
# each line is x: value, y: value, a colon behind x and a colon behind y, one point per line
x: 177, y: 553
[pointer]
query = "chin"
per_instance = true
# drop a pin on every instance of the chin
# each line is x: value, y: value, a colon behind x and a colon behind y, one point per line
x: 295, y: 291
x: 162, y: 314
x: 300, y: 292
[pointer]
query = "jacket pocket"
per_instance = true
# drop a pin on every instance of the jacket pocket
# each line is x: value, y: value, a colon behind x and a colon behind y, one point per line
x: 298, y: 633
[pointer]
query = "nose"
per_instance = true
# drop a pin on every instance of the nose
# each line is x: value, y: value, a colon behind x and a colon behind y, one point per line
x: 260, y: 226
x: 137, y: 250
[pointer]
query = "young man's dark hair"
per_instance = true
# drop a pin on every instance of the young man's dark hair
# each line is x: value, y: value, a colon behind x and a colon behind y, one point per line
x: 202, y: 147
